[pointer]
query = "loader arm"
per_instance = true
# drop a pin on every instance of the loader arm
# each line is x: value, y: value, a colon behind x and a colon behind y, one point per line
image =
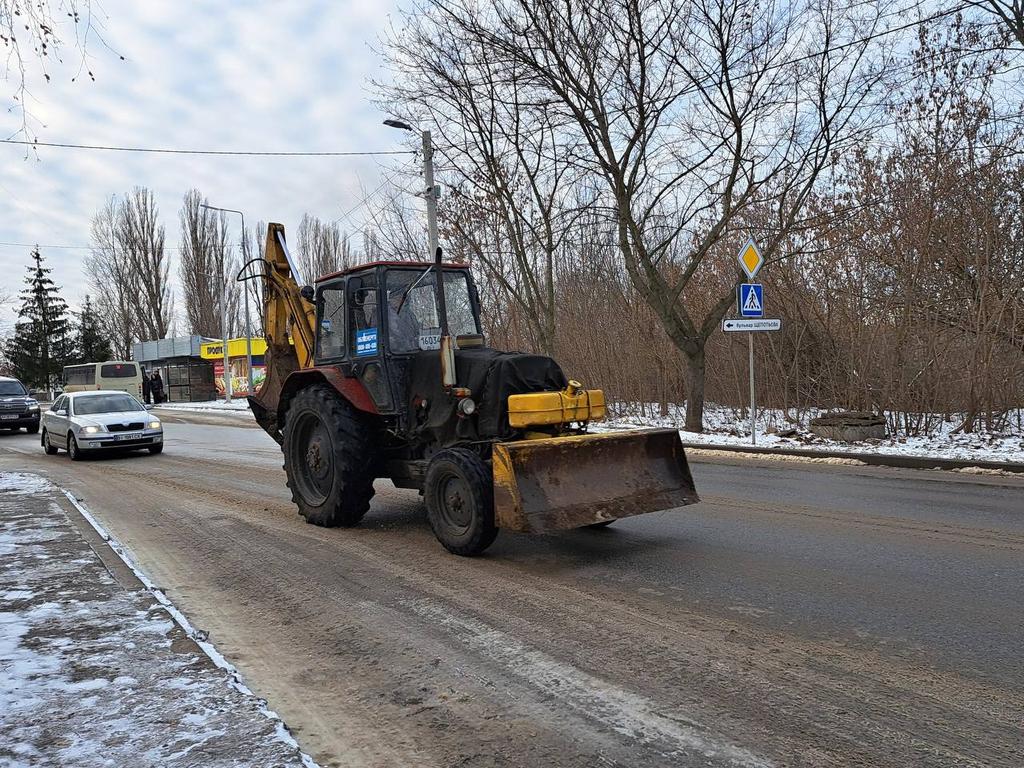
x: 288, y: 322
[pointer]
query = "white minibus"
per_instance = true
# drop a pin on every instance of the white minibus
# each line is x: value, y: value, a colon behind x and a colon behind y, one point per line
x: 123, y: 375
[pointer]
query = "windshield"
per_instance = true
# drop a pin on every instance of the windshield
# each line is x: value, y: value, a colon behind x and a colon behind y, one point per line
x: 93, y: 404
x: 413, y: 322
x: 12, y: 388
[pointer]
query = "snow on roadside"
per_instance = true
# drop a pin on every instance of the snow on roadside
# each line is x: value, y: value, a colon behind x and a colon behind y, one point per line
x: 95, y: 675
x: 236, y: 406
x: 723, y: 426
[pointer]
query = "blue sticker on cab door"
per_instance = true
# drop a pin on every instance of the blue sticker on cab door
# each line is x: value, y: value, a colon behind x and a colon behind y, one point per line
x: 366, y: 342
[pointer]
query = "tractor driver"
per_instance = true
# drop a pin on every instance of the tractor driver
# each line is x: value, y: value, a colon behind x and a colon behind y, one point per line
x: 403, y: 325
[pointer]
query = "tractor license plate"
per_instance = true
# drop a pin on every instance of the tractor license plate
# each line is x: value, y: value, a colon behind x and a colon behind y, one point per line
x: 129, y: 436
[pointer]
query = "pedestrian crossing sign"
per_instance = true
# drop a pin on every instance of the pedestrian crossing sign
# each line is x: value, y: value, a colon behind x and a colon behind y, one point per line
x: 751, y: 300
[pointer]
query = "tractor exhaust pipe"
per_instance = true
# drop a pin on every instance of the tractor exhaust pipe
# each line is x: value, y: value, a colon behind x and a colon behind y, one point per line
x: 447, y: 348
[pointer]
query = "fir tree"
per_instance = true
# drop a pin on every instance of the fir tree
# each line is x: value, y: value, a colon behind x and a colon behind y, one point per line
x: 41, y: 344
x: 93, y: 345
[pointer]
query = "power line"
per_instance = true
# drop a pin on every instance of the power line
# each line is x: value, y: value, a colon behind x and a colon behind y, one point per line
x: 366, y: 199
x: 231, y: 152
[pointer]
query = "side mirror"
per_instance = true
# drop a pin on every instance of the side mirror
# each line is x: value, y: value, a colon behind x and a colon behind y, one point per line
x: 307, y: 292
x: 61, y: 412
x: 149, y: 406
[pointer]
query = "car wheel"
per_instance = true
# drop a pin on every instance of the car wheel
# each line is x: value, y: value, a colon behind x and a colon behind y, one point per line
x: 74, y: 452
x: 33, y: 430
x: 155, y: 449
x: 50, y: 450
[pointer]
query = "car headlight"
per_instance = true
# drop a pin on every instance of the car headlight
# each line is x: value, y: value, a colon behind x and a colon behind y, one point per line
x: 91, y: 430
x: 33, y: 405
x: 154, y: 425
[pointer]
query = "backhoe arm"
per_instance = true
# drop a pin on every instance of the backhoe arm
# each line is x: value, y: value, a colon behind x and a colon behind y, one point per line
x: 288, y: 322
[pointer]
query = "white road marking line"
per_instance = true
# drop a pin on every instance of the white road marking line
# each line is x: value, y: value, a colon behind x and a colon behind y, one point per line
x: 625, y: 712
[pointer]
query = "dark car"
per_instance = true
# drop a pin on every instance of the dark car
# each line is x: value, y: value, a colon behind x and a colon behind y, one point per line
x: 17, y: 407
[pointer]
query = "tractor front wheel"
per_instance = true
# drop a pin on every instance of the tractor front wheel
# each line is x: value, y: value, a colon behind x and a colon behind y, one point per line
x: 459, y: 493
x: 328, y: 457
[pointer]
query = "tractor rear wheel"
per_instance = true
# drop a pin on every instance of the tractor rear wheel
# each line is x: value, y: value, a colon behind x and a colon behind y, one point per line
x: 459, y: 492
x: 328, y: 457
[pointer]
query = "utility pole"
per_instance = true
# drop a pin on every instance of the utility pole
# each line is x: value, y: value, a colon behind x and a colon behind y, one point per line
x: 224, y: 338
x: 430, y: 193
x: 245, y: 288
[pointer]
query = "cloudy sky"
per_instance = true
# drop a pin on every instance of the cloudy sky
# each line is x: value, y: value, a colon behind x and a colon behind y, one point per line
x: 198, y: 75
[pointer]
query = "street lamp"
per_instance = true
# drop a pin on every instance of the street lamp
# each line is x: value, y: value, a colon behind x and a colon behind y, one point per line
x: 248, y: 327
x: 431, y: 195
x: 428, y: 176
x: 224, y: 325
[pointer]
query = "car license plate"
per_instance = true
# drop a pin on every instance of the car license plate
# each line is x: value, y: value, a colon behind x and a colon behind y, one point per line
x: 9, y: 416
x: 130, y: 436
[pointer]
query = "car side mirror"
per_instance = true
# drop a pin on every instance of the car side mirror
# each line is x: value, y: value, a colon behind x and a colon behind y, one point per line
x: 149, y: 406
x: 61, y: 412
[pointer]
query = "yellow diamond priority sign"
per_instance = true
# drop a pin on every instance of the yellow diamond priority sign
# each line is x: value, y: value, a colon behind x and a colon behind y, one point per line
x: 750, y: 259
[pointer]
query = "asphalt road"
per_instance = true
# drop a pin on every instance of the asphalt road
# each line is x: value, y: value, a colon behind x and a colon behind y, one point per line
x: 802, y: 615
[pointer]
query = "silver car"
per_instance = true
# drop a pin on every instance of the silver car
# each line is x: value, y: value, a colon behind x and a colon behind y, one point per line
x: 83, y: 422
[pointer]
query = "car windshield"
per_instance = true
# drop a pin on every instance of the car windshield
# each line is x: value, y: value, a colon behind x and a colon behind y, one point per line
x: 93, y: 404
x: 12, y: 388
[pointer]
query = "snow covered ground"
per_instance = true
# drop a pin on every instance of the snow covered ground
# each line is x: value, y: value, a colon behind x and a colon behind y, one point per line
x: 237, y: 405
x: 94, y: 674
x: 724, y: 426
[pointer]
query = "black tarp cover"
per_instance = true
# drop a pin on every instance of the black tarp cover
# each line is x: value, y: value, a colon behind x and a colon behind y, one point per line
x: 491, y: 375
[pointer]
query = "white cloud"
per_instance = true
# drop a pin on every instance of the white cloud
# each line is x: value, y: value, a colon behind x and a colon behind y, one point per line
x: 205, y: 75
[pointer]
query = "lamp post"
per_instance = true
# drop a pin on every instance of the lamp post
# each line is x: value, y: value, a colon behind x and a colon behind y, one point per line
x: 428, y: 176
x: 224, y: 324
x: 245, y: 288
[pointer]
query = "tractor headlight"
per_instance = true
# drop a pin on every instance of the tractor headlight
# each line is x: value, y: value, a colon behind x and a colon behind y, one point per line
x: 154, y: 425
x: 92, y: 430
x: 467, y: 407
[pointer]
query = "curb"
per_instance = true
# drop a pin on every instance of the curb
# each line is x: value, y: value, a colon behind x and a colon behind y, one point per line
x: 871, y: 459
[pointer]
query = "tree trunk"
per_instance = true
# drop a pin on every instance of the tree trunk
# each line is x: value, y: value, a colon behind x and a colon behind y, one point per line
x: 695, y: 390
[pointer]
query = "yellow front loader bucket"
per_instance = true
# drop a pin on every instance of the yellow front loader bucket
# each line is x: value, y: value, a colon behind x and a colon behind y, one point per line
x: 556, y: 483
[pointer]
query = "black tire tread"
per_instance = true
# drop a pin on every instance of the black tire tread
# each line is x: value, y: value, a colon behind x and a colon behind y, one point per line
x: 481, y: 484
x: 50, y: 450
x: 75, y: 453
x: 353, y: 449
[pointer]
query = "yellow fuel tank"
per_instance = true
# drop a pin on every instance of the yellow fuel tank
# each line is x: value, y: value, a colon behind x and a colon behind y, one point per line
x: 537, y: 409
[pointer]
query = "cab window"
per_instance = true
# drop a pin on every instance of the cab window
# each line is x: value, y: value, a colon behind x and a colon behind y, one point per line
x: 413, y: 320
x: 331, y: 332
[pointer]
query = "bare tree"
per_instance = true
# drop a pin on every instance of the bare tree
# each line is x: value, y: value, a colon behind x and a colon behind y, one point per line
x: 1010, y: 14
x: 687, y: 115
x: 205, y: 268
x: 140, y: 238
x: 322, y: 248
x: 514, y: 199
x: 112, y: 281
x: 33, y: 36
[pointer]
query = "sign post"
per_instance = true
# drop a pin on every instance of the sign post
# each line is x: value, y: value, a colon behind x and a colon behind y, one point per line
x: 751, y: 304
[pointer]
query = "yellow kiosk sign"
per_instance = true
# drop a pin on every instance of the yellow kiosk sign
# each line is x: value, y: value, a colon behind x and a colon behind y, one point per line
x: 214, y: 350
